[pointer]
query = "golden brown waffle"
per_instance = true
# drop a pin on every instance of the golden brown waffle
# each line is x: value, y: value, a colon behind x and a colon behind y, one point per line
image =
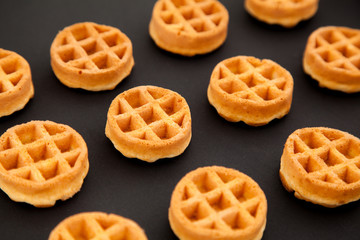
x: 322, y: 165
x: 41, y: 162
x: 97, y: 225
x: 91, y: 56
x: 16, y: 87
x: 287, y: 13
x: 251, y: 90
x: 217, y: 203
x: 189, y: 27
x: 149, y: 123
x: 332, y: 57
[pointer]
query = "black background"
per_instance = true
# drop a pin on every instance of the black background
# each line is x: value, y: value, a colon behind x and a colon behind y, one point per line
x: 142, y: 191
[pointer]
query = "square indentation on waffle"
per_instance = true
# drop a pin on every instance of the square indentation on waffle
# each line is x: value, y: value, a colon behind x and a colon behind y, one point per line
x: 214, y: 200
x: 38, y: 152
x: 148, y: 114
x: 329, y: 156
x: 11, y: 71
x: 191, y: 16
x: 339, y: 48
x: 93, y: 47
x: 251, y: 79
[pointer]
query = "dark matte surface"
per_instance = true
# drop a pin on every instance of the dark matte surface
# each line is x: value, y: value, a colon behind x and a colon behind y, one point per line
x: 142, y: 191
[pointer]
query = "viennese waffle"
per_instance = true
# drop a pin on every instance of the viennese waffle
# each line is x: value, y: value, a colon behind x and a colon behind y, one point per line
x: 16, y: 87
x: 41, y: 162
x: 332, y: 57
x: 287, y: 13
x: 189, y: 27
x: 149, y: 123
x: 215, y: 203
x: 322, y: 165
x: 251, y: 90
x: 91, y: 56
x: 97, y: 225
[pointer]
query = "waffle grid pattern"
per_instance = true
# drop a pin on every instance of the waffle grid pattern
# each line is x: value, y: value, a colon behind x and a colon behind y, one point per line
x: 251, y: 80
x: 191, y: 16
x: 10, y: 71
x: 90, y: 227
x: 150, y: 115
x: 287, y: 2
x: 328, y: 157
x: 220, y: 202
x: 339, y: 49
x: 40, y: 154
x: 92, y: 47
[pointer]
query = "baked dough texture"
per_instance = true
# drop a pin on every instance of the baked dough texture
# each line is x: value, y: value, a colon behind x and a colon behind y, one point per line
x: 42, y: 162
x: 286, y: 13
x: 322, y: 165
x: 149, y: 123
x: 216, y: 203
x: 97, y: 225
x: 189, y: 27
x: 332, y: 57
x: 251, y: 90
x: 91, y: 56
x: 16, y: 86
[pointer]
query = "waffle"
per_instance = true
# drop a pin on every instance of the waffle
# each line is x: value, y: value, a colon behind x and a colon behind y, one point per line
x: 332, y: 57
x: 251, y: 90
x: 97, y: 225
x: 322, y: 166
x: 149, y: 123
x: 215, y: 203
x: 91, y: 56
x: 16, y: 87
x: 41, y: 162
x: 189, y: 27
x: 286, y: 13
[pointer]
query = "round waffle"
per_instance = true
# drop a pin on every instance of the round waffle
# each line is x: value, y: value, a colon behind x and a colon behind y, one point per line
x: 287, y: 13
x: 149, y: 123
x: 41, y: 162
x: 189, y: 27
x: 251, y: 90
x: 91, y: 56
x: 16, y: 87
x: 332, y: 57
x: 215, y: 203
x: 322, y: 165
x: 97, y: 225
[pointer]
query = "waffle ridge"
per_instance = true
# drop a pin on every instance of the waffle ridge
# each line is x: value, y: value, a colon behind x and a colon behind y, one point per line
x: 97, y: 225
x: 214, y: 202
